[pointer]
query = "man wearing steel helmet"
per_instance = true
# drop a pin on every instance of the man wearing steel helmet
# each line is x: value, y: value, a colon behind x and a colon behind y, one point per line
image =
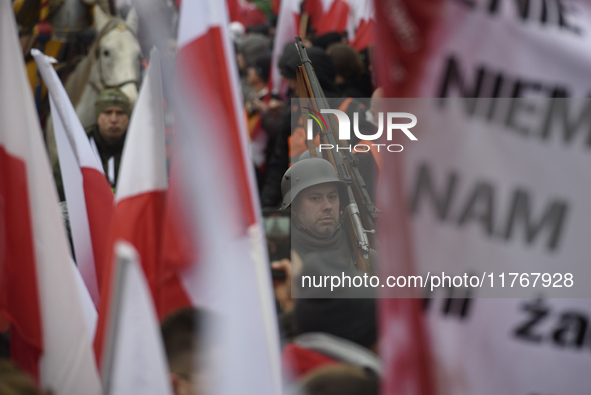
x: 317, y: 198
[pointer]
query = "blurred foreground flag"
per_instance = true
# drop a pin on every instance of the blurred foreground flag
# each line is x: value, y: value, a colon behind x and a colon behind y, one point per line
x: 139, y: 209
x: 38, y: 294
x: 134, y: 358
x: 497, y: 183
x: 213, y: 173
x: 88, y: 194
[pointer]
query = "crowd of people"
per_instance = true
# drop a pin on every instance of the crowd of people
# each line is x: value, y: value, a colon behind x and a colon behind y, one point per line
x: 329, y: 345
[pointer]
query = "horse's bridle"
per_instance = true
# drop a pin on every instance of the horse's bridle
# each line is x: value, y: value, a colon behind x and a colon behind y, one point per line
x: 111, y: 25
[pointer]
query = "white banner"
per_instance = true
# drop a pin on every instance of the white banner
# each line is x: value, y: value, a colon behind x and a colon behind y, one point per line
x: 504, y: 186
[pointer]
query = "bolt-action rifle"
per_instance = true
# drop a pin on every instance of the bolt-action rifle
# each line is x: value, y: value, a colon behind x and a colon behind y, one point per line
x: 359, y: 220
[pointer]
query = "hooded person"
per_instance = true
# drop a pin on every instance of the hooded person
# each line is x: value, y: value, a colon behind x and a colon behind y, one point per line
x: 107, y: 135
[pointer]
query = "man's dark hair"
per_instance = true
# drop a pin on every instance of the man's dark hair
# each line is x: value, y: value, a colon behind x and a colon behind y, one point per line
x: 340, y: 379
x: 180, y: 331
x: 347, y: 61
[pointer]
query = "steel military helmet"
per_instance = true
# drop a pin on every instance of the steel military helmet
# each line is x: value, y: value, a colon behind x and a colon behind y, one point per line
x: 306, y: 173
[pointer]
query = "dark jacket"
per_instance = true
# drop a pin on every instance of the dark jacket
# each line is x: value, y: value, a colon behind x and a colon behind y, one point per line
x: 106, y: 152
x: 339, y: 247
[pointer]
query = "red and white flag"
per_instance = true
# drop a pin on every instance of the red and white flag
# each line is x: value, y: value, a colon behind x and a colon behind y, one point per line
x: 316, y: 10
x: 38, y: 294
x: 335, y: 19
x: 288, y: 22
x: 139, y: 209
x: 361, y: 23
x: 88, y: 195
x: 135, y: 360
x: 231, y: 277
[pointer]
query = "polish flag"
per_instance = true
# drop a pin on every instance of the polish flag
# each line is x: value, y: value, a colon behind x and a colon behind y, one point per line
x: 288, y: 22
x: 135, y: 360
x: 361, y: 24
x: 38, y: 291
x: 364, y: 35
x: 231, y: 277
x: 316, y: 10
x: 139, y: 202
x: 87, y: 191
x: 335, y: 19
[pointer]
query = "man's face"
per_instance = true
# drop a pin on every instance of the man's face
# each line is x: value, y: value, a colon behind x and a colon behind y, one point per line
x: 317, y: 209
x: 112, y: 124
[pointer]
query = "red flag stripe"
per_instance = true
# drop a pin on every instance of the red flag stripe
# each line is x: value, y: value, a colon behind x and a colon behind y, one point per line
x: 18, y: 274
x: 178, y: 253
x: 99, y: 206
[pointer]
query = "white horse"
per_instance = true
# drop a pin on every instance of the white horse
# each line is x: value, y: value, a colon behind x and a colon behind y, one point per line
x: 113, y: 61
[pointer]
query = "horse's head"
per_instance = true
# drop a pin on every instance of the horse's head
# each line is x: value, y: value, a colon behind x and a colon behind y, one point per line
x: 118, y: 52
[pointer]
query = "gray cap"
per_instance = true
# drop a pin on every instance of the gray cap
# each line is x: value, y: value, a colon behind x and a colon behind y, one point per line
x: 306, y: 173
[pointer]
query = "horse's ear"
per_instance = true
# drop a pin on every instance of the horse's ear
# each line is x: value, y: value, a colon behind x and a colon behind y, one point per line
x: 132, y: 20
x: 100, y: 18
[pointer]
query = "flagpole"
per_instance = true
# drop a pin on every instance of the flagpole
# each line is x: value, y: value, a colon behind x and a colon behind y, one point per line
x: 123, y: 262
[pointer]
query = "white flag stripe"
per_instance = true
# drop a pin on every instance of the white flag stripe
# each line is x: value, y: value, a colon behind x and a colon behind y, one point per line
x: 143, y: 163
x: 88, y: 307
x: 138, y: 362
x: 67, y: 366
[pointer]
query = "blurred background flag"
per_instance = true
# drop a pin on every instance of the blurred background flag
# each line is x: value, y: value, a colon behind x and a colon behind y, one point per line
x: 361, y: 24
x: 288, y: 24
